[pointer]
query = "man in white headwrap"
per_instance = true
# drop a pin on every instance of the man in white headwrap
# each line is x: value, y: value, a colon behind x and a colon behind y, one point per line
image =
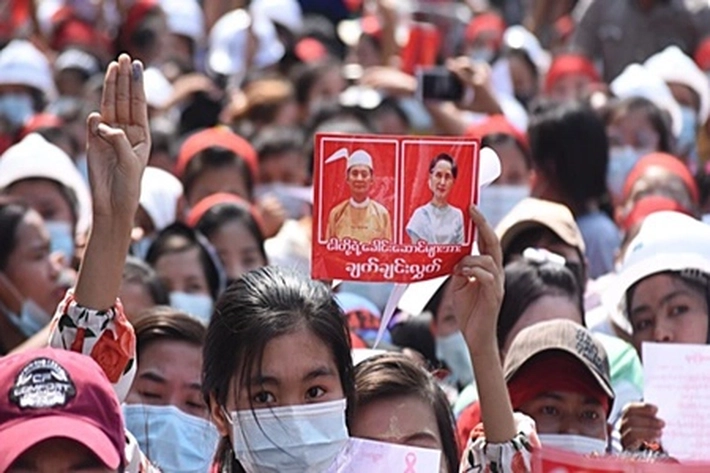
x: 359, y: 217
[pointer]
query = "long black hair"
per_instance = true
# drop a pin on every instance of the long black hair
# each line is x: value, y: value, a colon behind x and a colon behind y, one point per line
x: 258, y: 307
x: 527, y: 281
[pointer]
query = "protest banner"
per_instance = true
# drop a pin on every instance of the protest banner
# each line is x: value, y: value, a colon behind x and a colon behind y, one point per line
x: 677, y: 381
x: 390, y: 208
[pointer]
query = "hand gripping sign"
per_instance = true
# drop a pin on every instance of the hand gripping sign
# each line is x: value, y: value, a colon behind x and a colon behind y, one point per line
x: 391, y: 208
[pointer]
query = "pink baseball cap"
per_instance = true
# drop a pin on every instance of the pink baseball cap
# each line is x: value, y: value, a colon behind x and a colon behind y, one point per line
x: 50, y: 393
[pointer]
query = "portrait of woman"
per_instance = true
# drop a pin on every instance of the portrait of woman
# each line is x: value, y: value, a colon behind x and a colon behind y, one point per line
x: 438, y: 222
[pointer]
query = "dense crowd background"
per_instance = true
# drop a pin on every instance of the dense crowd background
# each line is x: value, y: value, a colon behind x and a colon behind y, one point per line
x: 160, y: 205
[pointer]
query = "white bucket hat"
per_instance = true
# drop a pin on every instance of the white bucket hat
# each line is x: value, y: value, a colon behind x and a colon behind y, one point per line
x: 667, y: 241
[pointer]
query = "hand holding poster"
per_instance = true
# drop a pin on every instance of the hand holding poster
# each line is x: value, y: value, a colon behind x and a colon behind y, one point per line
x: 676, y: 380
x: 392, y: 208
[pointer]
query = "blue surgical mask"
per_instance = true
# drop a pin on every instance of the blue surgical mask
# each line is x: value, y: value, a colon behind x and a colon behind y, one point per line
x: 140, y: 248
x: 173, y: 440
x: 305, y: 438
x: 61, y: 238
x: 453, y: 350
x: 82, y: 164
x: 16, y: 108
x: 687, y: 141
x: 497, y: 200
x: 196, y: 305
x: 621, y: 160
x: 32, y: 318
x: 482, y: 55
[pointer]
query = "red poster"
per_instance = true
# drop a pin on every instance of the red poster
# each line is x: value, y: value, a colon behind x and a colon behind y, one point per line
x: 392, y: 208
x: 557, y: 461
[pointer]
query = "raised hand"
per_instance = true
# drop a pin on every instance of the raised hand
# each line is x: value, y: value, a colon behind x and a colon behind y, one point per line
x: 640, y: 425
x: 478, y: 294
x: 117, y: 150
x: 118, y: 144
x: 477, y: 283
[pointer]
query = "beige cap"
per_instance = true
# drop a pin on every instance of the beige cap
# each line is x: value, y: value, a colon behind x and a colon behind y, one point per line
x: 531, y: 213
x: 563, y: 335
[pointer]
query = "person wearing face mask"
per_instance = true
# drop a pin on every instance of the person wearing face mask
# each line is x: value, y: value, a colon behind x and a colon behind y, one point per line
x: 449, y: 344
x: 233, y: 227
x: 540, y: 287
x: 570, y: 156
x: 569, y: 408
x: 189, y: 268
x: 483, y: 37
x: 42, y: 175
x: 635, y: 127
x: 90, y: 320
x: 690, y: 88
x: 283, y: 170
x: 661, y: 295
x: 274, y: 416
x: 570, y: 77
x: 29, y: 285
x: 164, y: 409
x: 512, y: 148
x: 25, y: 83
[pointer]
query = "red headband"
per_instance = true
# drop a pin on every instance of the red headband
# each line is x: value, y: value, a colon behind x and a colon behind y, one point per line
x: 668, y: 162
x: 220, y: 137
x: 570, y: 64
x: 136, y: 14
x: 485, y: 22
x: 554, y: 371
x: 203, y: 206
x: 497, y: 124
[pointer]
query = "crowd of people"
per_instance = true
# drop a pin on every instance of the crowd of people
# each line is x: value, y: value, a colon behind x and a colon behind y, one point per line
x: 156, y: 159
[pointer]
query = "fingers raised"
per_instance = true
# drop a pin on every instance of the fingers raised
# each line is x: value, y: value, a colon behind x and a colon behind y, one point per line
x: 488, y: 242
x: 108, y: 97
x: 139, y: 108
x: 123, y: 90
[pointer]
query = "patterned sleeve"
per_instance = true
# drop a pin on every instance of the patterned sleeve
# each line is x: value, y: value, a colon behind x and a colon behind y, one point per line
x: 106, y: 336
x: 514, y: 456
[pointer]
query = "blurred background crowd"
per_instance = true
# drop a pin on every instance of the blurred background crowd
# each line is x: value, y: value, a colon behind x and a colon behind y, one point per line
x: 598, y: 110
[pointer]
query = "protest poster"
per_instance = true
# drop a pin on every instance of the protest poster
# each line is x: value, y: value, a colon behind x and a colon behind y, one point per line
x: 392, y: 208
x: 677, y: 381
x: 362, y: 455
x: 550, y: 460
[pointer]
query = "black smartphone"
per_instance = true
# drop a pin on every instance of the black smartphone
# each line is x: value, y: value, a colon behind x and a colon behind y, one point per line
x: 438, y: 83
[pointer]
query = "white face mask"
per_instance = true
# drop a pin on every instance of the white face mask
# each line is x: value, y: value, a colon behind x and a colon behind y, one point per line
x: 173, y: 440
x: 497, y: 200
x: 304, y: 439
x: 453, y: 351
x: 573, y: 443
x: 197, y: 305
